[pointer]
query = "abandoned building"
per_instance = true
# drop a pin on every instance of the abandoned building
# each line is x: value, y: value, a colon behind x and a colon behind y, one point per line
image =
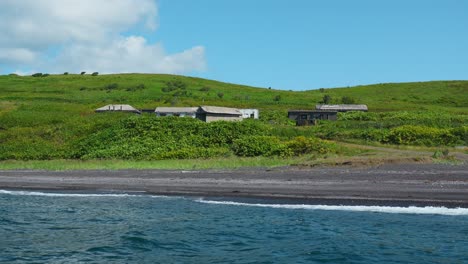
x: 176, y: 111
x: 204, y: 113
x: 310, y: 117
x: 342, y: 107
x: 322, y: 112
x: 249, y: 113
x: 216, y: 113
x: 119, y: 108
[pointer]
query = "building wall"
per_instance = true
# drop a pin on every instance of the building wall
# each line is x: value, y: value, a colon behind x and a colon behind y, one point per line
x: 208, y: 117
x: 293, y: 115
x: 307, y: 118
x: 118, y: 110
x: 249, y: 113
x: 192, y: 115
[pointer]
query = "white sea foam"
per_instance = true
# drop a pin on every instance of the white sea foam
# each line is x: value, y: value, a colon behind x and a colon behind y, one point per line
x: 378, y: 209
x: 51, y: 194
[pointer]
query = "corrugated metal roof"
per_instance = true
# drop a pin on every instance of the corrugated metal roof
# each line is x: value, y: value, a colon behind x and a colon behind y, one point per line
x: 118, y: 107
x: 220, y: 110
x: 176, y: 109
x: 342, y: 107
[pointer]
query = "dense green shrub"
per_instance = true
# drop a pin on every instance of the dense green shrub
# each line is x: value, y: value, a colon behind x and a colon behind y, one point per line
x: 95, y: 74
x: 38, y: 74
x: 348, y: 100
x: 302, y: 145
x: 174, y: 85
x: 276, y: 117
x: 441, y: 128
x: 461, y: 133
x: 252, y: 146
x: 371, y: 134
x: 147, y: 137
x: 326, y: 99
x: 32, y: 148
x: 289, y: 132
x: 421, y: 135
x: 111, y: 86
x: 357, y: 115
x: 136, y: 88
x: 400, y: 118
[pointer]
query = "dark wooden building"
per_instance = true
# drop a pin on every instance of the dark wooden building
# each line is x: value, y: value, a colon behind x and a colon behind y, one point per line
x: 310, y: 117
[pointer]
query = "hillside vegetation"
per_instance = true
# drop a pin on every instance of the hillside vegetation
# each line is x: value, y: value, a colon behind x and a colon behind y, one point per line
x: 53, y: 117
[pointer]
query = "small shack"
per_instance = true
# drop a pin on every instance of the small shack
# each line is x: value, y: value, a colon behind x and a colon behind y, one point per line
x: 119, y: 108
x: 216, y: 113
x: 177, y: 111
x: 342, y: 107
x: 310, y: 117
x: 249, y: 113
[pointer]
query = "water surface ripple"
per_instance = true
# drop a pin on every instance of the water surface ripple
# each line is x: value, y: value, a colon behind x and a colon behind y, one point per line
x: 40, y: 227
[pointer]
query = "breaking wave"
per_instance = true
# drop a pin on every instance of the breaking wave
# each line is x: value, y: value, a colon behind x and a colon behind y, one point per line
x: 52, y: 194
x: 429, y: 210
x: 377, y: 209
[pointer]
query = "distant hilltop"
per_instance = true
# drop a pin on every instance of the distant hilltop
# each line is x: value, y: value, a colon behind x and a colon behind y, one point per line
x: 148, y: 90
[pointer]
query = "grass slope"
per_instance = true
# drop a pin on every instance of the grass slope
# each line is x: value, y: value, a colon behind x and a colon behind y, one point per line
x: 84, y: 93
x: 39, y: 116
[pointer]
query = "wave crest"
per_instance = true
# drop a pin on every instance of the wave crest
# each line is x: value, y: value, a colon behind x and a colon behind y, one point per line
x: 51, y: 194
x: 377, y: 209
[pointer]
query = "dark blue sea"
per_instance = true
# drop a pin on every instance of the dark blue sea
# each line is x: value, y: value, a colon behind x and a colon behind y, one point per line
x: 47, y: 227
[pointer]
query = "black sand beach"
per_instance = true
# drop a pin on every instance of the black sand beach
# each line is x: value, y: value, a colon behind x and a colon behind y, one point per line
x: 393, y: 184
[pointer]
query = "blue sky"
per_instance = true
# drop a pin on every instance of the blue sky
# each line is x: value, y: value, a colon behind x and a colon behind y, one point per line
x: 297, y: 45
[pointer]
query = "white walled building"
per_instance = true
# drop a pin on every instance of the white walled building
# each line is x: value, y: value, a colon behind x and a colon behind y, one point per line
x: 249, y: 113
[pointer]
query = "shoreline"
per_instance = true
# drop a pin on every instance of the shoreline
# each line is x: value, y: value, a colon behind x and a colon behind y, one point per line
x: 388, y: 185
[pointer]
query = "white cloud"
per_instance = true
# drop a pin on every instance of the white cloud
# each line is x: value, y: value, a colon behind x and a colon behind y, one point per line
x: 131, y: 54
x: 87, y: 35
x: 17, y: 55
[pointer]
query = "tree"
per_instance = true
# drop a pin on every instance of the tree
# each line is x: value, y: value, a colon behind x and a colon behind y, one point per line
x: 95, y: 74
x: 326, y: 99
x: 82, y: 73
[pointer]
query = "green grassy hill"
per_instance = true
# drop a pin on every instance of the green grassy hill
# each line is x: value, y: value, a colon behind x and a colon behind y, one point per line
x: 88, y: 92
x: 44, y: 117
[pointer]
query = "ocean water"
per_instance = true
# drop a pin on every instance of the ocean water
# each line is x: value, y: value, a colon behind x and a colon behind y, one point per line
x: 42, y: 227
